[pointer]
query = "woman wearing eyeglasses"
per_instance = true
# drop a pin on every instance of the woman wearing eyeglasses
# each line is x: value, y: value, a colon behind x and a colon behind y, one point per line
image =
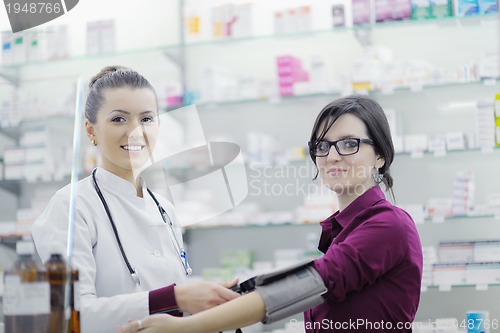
x: 127, y: 240
x: 372, y: 262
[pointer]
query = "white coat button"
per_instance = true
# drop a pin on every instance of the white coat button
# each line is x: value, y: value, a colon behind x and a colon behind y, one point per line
x: 156, y: 253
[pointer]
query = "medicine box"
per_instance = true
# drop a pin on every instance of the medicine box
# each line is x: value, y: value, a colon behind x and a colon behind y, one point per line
x: 456, y: 252
x: 392, y: 10
x: 14, y: 155
x: 455, y: 141
x: 420, y: 9
x: 7, y: 48
x: 361, y: 13
x: 338, y: 16
x: 487, y: 251
x: 441, y: 8
x: 444, y: 274
x: 289, y: 70
x: 236, y: 259
x: 482, y: 273
x: 488, y: 6
x: 497, y: 119
x: 467, y: 7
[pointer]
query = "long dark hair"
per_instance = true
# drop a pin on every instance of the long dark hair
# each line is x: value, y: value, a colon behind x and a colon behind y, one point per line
x: 373, y: 116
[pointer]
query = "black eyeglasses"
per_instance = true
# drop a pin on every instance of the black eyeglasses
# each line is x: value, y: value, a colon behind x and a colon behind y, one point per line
x: 344, y: 147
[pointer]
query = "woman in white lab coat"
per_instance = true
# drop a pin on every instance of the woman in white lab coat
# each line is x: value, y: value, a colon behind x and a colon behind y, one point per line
x: 127, y: 240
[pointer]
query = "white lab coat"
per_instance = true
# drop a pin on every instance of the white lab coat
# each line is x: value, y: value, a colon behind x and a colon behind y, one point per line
x: 109, y: 297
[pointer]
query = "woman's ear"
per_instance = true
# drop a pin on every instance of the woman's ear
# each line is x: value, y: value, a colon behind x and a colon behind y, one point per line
x: 89, y: 129
x: 380, y: 162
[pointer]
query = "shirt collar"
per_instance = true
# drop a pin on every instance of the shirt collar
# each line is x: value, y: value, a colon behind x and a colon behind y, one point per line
x: 367, y: 199
x: 116, y: 184
x: 328, y: 222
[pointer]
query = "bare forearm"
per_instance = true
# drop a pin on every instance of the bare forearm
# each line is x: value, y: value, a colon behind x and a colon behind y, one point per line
x: 240, y: 312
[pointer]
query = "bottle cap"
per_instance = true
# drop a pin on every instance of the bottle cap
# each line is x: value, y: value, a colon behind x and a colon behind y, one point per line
x: 55, y: 249
x: 25, y: 247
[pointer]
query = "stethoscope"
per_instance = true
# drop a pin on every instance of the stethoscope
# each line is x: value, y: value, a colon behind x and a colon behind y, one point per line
x: 180, y: 250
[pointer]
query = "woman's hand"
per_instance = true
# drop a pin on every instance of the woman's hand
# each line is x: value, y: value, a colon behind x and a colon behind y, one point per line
x: 241, y: 312
x: 159, y: 323
x: 201, y: 296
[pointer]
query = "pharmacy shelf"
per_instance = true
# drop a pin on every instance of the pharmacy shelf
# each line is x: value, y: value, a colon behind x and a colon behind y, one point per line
x: 373, y: 26
x: 79, y: 58
x: 14, y: 185
x: 57, y: 120
x: 11, y: 186
x: 416, y: 88
x: 450, y: 219
x: 492, y: 150
x: 191, y: 171
x: 10, y: 239
x: 446, y: 288
x: 10, y: 132
x: 198, y: 168
x: 170, y: 49
x: 241, y: 226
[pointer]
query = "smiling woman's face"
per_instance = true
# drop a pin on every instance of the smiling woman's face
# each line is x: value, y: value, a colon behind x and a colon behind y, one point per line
x: 349, y: 176
x: 126, y: 129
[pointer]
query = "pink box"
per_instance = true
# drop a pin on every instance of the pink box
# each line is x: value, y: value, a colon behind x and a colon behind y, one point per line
x: 383, y: 10
x: 288, y: 64
x: 361, y: 12
x: 286, y: 89
x: 174, y: 100
x: 287, y: 60
x: 289, y: 68
x: 391, y: 10
x: 401, y: 9
x: 294, y: 77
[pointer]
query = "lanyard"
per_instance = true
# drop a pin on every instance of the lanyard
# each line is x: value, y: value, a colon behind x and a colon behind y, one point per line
x: 180, y: 250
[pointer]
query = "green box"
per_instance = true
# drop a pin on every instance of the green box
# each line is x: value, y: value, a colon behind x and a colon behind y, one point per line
x: 236, y: 259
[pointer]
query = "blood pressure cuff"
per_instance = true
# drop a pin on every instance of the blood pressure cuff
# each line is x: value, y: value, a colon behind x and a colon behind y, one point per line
x: 290, y: 290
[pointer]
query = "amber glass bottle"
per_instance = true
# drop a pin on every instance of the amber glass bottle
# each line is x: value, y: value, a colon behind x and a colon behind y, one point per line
x: 26, y: 294
x: 58, y: 273
x: 74, y: 300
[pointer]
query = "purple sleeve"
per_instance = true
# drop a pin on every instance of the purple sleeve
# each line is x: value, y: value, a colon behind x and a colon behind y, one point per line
x: 163, y: 301
x: 369, y: 251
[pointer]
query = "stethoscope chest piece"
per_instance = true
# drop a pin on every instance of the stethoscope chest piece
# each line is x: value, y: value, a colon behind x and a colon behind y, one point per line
x: 135, y: 278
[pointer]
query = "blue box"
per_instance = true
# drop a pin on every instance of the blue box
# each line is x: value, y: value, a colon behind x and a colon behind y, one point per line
x: 476, y: 321
x: 488, y: 6
x: 468, y: 7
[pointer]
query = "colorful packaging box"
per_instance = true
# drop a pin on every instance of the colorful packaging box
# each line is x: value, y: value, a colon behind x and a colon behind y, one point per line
x: 7, y: 41
x: 441, y: 8
x: 497, y: 119
x: 361, y: 13
x: 392, y: 10
x: 488, y: 6
x: 420, y: 9
x: 401, y: 9
x: 467, y: 7
x: 383, y: 10
x: 447, y: 274
x: 478, y: 321
x: 289, y: 70
x: 338, y: 16
x: 456, y: 252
